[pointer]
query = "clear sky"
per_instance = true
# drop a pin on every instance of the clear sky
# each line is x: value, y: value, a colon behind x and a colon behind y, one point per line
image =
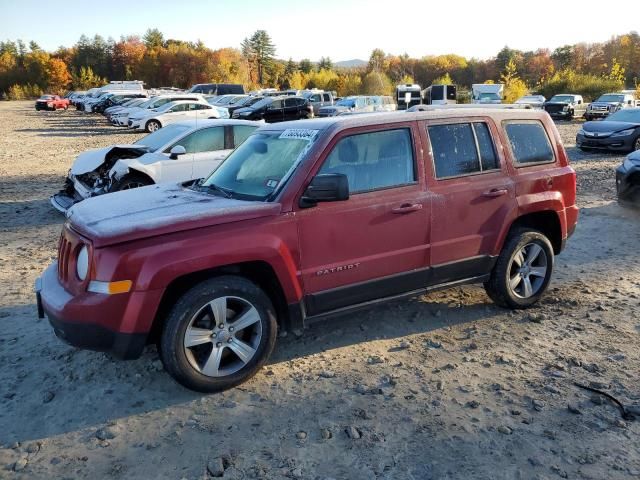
x: 340, y: 29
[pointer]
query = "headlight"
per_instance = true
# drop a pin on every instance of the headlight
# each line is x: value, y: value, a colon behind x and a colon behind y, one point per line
x: 581, y: 131
x: 623, y: 133
x: 565, y: 108
x: 82, y: 263
x: 627, y: 164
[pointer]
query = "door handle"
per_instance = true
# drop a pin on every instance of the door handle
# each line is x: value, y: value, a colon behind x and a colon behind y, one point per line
x: 407, y: 208
x: 495, y: 192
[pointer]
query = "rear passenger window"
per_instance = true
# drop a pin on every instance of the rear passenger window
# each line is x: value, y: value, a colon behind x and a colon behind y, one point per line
x: 462, y: 149
x: 529, y: 142
x: 373, y: 160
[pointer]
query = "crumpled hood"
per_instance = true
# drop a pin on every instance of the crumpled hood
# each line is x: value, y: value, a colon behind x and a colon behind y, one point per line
x: 92, y: 159
x: 156, y: 210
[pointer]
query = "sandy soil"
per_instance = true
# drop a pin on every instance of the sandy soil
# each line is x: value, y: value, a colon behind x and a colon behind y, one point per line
x: 444, y: 386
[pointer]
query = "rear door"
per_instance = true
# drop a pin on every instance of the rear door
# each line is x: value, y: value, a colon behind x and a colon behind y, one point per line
x: 291, y: 109
x: 376, y: 243
x: 474, y: 196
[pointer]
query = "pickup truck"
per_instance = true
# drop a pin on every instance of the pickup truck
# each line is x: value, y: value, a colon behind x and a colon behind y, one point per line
x: 565, y: 106
x: 307, y: 220
x: 52, y: 102
x: 609, y: 103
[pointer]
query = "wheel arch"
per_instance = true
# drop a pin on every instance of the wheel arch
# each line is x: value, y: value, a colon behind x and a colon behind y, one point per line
x: 546, y: 222
x: 259, y: 272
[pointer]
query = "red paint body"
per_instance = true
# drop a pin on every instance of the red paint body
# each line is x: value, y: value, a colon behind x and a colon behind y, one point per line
x: 53, y: 103
x: 359, y: 240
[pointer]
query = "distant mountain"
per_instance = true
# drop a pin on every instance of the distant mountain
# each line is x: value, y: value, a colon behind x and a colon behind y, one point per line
x: 350, y: 63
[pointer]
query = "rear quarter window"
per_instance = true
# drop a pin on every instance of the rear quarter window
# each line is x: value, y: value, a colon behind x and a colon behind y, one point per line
x: 529, y: 142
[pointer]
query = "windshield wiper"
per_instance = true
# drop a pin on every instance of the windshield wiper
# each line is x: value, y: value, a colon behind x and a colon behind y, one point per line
x: 227, y: 193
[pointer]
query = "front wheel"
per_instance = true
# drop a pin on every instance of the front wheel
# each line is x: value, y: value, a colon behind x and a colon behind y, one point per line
x: 152, y: 126
x: 130, y: 181
x: 523, y: 270
x: 218, y: 334
x: 636, y: 144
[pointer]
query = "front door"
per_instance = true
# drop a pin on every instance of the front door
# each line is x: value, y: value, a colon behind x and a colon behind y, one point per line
x: 274, y: 112
x: 473, y: 198
x: 376, y: 243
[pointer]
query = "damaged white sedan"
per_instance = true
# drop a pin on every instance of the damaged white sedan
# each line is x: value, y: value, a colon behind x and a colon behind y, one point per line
x: 176, y: 153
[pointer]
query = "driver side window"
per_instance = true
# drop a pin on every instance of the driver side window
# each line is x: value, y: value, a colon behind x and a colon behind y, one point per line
x: 205, y: 140
x: 372, y: 161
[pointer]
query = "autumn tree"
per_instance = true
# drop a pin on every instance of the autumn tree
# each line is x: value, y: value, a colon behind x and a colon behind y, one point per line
x: 514, y: 86
x: 58, y: 77
x: 376, y: 83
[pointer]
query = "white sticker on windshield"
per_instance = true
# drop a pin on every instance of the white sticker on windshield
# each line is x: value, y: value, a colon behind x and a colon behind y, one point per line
x: 299, y: 133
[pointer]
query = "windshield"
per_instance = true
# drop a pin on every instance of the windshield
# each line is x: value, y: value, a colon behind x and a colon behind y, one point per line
x: 611, y: 98
x: 262, y: 163
x: 158, y: 139
x: 631, y: 115
x: 562, y: 98
x: 46, y: 97
x: 346, y: 102
x: 261, y: 103
x: 488, y: 96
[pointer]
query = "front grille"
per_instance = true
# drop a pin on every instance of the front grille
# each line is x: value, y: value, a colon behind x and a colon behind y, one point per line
x: 64, y: 255
x: 554, y: 108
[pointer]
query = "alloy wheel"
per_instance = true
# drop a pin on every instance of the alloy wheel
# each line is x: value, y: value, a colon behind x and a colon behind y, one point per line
x: 223, y: 336
x: 528, y: 270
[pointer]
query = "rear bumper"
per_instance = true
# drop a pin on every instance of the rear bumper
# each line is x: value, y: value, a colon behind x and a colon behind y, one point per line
x: 118, y: 324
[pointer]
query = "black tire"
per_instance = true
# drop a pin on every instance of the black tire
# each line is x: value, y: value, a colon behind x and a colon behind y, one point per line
x: 174, y: 354
x: 131, y: 180
x: 497, y: 287
x: 636, y: 144
x: 585, y: 149
x: 53, y: 107
x: 152, y: 126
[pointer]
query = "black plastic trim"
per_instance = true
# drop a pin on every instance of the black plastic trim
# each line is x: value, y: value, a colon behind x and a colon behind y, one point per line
x: 398, y: 284
x: 126, y: 346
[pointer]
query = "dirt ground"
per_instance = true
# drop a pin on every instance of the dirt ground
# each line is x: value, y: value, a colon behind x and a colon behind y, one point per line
x: 444, y: 386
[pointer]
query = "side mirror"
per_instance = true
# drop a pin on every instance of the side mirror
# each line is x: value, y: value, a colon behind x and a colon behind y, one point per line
x: 325, y: 187
x: 629, y: 102
x: 176, y: 151
x: 579, y: 102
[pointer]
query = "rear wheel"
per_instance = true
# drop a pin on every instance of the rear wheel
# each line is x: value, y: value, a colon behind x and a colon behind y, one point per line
x: 152, y: 126
x: 131, y: 180
x: 218, y: 334
x: 523, y: 270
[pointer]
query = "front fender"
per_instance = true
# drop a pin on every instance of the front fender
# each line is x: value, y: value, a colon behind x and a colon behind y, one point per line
x: 153, y: 264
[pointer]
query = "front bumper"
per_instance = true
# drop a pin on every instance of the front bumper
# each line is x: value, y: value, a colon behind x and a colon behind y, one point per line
x: 106, y: 323
x: 606, y: 143
x: 560, y: 114
x: 627, y: 191
x: 597, y: 114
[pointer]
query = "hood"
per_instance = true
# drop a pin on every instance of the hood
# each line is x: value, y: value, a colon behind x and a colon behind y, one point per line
x: 605, y: 104
x: 558, y: 103
x: 335, y: 108
x: 605, y: 126
x: 92, y: 159
x: 156, y: 210
x: 634, y: 156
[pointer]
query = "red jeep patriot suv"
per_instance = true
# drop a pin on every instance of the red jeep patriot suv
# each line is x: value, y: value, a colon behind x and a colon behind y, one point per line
x: 307, y: 219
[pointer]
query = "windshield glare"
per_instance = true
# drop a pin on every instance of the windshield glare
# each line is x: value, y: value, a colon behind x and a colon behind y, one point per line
x: 156, y: 140
x: 611, y: 98
x: 626, y: 115
x: 257, y: 168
